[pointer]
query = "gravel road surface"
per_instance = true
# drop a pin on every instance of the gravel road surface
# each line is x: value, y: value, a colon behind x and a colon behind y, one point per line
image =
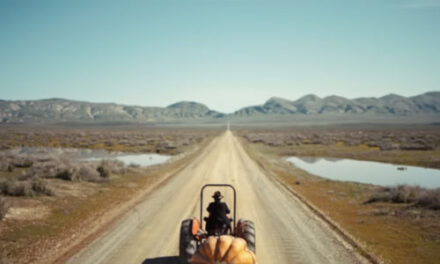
x: 287, y: 231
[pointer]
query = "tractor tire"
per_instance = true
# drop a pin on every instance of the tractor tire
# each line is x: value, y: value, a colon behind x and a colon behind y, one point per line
x: 187, y: 243
x: 248, y: 234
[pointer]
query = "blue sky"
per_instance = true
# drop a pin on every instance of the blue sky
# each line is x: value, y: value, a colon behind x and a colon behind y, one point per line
x: 226, y: 54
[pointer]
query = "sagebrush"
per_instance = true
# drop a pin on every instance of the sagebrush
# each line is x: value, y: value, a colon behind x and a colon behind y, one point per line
x: 418, y: 196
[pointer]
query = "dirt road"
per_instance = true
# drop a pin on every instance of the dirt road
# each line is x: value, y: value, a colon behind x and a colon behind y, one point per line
x: 287, y: 232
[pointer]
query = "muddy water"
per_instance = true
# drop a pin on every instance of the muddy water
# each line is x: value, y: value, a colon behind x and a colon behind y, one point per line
x: 377, y: 173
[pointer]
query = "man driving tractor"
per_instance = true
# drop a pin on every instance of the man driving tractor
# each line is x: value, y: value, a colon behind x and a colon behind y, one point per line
x: 224, y: 238
x: 218, y: 221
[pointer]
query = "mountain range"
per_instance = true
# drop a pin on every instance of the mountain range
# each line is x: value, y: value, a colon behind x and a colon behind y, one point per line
x: 391, y: 104
x: 62, y: 110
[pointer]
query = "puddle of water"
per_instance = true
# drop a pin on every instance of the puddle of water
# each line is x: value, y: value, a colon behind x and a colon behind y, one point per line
x: 371, y: 172
x: 143, y: 160
x: 147, y: 159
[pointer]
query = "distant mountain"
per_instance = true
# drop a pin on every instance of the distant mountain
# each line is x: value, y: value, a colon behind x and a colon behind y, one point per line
x: 392, y: 104
x: 361, y: 109
x: 186, y: 109
x: 62, y: 110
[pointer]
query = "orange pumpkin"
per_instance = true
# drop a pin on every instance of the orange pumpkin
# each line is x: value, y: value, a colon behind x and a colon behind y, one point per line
x: 224, y: 249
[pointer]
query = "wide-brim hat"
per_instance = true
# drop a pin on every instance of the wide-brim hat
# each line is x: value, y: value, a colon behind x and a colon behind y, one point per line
x: 217, y: 195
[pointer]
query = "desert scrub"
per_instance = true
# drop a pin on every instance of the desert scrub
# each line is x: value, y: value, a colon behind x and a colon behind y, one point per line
x: 4, y: 207
x: 71, y: 170
x: 383, y: 139
x: 422, y: 197
x: 8, y: 162
x: 103, y: 171
x: 32, y: 187
x: 141, y: 139
x: 46, y: 165
x: 90, y: 172
x: 430, y: 200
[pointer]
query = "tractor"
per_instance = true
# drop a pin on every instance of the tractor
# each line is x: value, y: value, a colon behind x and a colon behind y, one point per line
x: 222, y: 244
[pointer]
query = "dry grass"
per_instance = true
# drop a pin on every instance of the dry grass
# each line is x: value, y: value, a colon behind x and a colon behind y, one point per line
x: 410, y: 147
x: 131, y: 139
x: 384, y: 139
x: 383, y: 227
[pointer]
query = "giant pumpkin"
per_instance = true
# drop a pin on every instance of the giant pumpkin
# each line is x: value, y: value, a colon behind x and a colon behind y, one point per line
x: 224, y: 250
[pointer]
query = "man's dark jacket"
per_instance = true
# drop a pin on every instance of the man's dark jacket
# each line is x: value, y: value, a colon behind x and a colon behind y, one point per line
x: 218, y: 212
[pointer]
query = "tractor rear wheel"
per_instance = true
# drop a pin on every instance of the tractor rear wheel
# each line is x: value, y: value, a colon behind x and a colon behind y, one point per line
x: 246, y: 230
x: 187, y: 243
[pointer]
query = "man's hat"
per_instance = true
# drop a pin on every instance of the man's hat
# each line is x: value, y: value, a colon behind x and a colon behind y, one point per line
x: 217, y: 195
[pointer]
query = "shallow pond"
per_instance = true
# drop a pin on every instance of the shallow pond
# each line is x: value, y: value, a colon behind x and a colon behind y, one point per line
x: 377, y: 173
x: 141, y: 159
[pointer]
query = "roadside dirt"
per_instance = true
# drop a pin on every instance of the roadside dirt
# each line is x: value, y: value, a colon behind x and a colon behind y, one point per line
x: 287, y: 231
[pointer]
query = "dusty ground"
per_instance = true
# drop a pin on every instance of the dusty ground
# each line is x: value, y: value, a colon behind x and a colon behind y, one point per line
x: 287, y: 231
